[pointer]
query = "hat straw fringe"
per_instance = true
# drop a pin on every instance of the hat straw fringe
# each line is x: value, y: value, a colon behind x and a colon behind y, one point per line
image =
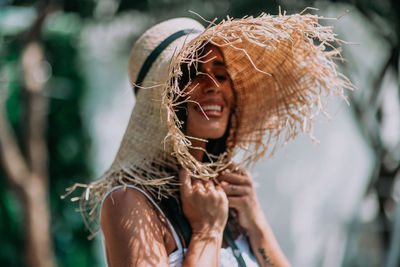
x: 154, y: 176
x: 307, y: 40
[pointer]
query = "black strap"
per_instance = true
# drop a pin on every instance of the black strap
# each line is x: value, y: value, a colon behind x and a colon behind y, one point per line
x: 235, y: 250
x: 156, y: 52
x: 175, y: 214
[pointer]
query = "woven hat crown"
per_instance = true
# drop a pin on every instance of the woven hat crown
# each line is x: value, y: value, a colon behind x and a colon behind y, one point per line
x: 151, y: 39
x: 147, y: 128
x: 144, y: 156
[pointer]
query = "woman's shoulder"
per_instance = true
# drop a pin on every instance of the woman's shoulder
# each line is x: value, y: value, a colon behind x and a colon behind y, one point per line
x: 129, y: 223
x: 125, y: 201
x: 126, y: 212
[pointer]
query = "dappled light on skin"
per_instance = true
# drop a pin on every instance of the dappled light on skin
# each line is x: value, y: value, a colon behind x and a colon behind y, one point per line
x: 141, y: 228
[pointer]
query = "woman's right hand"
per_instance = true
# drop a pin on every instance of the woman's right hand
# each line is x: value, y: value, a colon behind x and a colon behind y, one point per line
x: 204, y: 204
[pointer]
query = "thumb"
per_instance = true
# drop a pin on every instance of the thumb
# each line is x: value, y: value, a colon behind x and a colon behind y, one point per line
x: 185, y: 180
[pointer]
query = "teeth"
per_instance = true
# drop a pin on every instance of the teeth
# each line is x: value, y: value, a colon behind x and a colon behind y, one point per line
x: 212, y: 108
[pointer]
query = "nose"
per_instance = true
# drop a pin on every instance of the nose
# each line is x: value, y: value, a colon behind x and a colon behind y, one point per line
x: 211, y: 84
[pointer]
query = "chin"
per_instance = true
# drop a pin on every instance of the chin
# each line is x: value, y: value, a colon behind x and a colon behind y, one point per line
x: 200, y: 127
x: 208, y: 132
x: 214, y: 136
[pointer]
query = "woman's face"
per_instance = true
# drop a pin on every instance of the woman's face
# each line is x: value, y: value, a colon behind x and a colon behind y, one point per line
x: 211, y: 97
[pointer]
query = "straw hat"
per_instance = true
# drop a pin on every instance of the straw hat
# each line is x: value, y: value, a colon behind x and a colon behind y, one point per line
x: 281, y: 67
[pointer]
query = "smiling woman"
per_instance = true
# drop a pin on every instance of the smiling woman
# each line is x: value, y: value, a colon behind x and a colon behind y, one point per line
x: 173, y: 195
x: 211, y: 101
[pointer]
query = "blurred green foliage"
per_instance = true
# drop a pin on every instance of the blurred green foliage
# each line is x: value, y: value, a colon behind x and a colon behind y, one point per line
x: 67, y: 142
x: 11, y: 212
x: 68, y: 145
x: 67, y: 138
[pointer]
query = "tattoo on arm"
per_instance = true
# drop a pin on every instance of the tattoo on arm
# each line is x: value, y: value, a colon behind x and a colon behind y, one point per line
x: 265, y: 257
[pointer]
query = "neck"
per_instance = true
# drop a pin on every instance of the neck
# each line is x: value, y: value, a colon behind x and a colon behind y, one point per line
x: 196, y: 152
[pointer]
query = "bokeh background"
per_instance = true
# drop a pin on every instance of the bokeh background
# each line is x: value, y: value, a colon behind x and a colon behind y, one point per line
x: 65, y: 101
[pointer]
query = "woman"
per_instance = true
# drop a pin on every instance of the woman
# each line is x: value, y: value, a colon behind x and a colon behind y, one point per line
x: 203, y: 95
x: 204, y: 204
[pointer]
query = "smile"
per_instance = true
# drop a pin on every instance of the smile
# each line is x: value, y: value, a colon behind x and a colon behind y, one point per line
x: 212, y: 108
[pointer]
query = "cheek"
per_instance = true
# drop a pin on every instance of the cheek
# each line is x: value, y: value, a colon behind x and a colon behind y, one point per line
x: 229, y: 94
x: 193, y: 89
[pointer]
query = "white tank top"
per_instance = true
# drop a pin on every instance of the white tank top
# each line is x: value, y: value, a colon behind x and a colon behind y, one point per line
x: 175, y: 259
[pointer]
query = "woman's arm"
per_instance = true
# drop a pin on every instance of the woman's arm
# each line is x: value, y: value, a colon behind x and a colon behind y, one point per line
x: 206, y: 208
x: 242, y: 197
x: 134, y: 233
x: 132, y: 230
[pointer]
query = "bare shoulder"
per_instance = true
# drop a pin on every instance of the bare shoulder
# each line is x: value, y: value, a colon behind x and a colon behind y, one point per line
x: 123, y: 200
x: 129, y: 224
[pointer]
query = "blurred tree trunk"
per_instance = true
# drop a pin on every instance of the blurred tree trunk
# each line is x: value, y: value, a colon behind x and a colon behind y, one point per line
x: 27, y: 172
x: 39, y: 248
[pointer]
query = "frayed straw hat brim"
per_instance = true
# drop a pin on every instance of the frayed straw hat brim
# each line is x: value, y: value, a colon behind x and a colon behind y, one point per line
x: 282, y: 68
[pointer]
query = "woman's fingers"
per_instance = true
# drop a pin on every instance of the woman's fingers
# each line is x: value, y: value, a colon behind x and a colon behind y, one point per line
x: 235, y: 184
x: 191, y: 185
x: 234, y: 178
x: 209, y: 185
x: 204, y: 205
x: 185, y: 180
x: 234, y: 189
x: 198, y: 186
